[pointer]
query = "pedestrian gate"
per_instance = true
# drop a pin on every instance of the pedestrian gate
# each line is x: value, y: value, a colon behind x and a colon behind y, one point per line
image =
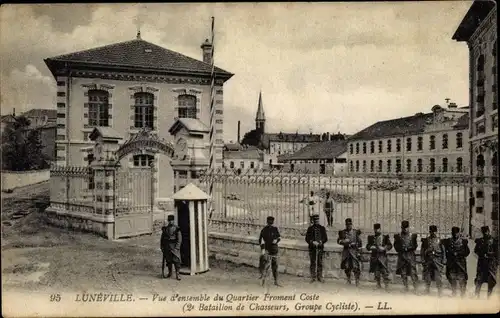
x: 134, y: 201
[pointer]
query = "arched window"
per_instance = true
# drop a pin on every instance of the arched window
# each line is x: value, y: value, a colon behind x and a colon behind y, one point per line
x: 364, y: 165
x: 445, y: 141
x: 380, y: 146
x: 98, y: 108
x: 143, y: 160
x: 460, y: 164
x: 420, y: 143
x: 419, y: 165
x: 480, y: 161
x: 408, y: 165
x: 432, y: 165
x: 408, y: 144
x: 372, y: 166
x: 364, y: 147
x: 432, y: 142
x: 445, y: 165
x: 351, y: 148
x: 372, y: 147
x: 398, y: 145
x: 231, y: 164
x: 398, y: 165
x: 459, y: 140
x: 389, y: 145
x: 357, y: 148
x: 357, y: 165
x: 380, y: 166
x: 143, y: 110
x: 352, y: 166
x: 187, y: 106
x: 389, y: 165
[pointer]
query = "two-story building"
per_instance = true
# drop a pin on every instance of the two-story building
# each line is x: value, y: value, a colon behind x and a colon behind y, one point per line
x: 479, y: 30
x: 130, y: 86
x: 243, y: 157
x: 423, y: 143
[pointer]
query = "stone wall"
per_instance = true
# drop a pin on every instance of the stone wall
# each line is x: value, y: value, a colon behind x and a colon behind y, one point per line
x: 293, y: 257
x: 16, y: 179
x: 101, y: 225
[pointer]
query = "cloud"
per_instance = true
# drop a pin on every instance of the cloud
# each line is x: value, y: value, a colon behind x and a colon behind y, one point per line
x: 320, y: 66
x: 26, y: 89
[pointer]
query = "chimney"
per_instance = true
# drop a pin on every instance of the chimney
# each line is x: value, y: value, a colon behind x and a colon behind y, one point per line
x: 239, y: 131
x: 207, y: 51
x: 452, y: 105
x: 328, y: 136
x: 14, y: 112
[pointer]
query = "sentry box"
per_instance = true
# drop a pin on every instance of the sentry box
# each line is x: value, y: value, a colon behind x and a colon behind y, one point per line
x: 191, y: 207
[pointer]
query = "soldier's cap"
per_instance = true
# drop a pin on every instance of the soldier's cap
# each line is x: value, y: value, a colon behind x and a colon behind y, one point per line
x: 376, y: 226
x: 170, y: 218
x: 455, y: 230
x: 315, y: 216
x: 348, y: 221
x: 270, y: 218
x: 485, y: 229
x: 433, y: 228
x: 405, y: 224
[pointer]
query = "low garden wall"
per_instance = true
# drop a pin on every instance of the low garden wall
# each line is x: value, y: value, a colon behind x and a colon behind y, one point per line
x: 100, y: 224
x: 294, y: 256
x: 16, y: 179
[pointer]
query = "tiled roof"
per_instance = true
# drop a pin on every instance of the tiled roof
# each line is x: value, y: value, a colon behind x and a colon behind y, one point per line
x: 238, y: 147
x: 8, y: 118
x: 318, y: 150
x: 247, y: 154
x: 37, y: 112
x: 289, y: 137
x: 463, y: 122
x: 472, y: 19
x: 395, y: 127
x: 191, y: 124
x: 137, y: 53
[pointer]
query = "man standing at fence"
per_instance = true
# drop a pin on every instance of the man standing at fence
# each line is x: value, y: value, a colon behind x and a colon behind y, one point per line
x: 316, y: 238
x: 457, y: 250
x: 329, y: 209
x: 311, y: 202
x: 487, y: 263
x: 350, y: 239
x: 433, y: 258
x: 268, y: 240
x: 406, y: 244
x: 379, y: 245
x: 171, y: 240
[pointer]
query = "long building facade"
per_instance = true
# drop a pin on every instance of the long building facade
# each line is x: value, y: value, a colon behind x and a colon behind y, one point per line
x: 130, y: 86
x: 423, y: 143
x: 479, y: 30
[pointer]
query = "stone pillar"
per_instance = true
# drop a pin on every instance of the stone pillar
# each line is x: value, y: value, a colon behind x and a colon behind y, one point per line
x: 104, y: 196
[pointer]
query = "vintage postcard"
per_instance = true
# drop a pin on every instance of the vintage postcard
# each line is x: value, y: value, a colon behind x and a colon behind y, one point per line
x: 216, y: 159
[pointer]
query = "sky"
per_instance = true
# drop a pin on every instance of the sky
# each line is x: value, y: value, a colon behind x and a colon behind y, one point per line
x: 321, y: 67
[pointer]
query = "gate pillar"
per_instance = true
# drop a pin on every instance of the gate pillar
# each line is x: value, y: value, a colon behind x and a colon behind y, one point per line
x: 104, y: 196
x: 191, y: 209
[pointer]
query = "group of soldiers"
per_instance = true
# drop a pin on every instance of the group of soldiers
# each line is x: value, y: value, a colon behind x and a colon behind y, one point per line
x: 436, y: 254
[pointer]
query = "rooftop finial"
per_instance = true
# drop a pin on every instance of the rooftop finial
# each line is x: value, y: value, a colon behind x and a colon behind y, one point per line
x: 138, y: 34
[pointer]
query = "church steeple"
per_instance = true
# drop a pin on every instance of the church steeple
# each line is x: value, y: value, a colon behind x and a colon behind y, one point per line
x: 260, y: 118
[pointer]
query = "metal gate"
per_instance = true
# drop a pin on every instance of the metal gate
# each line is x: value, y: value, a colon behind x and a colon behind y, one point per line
x: 134, y: 199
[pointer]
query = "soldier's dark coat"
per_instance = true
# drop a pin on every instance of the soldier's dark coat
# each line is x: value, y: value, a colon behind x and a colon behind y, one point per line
x: 457, y: 251
x: 351, y: 257
x: 433, y: 258
x: 171, y: 240
x: 316, y: 233
x: 487, y: 262
x: 406, y: 245
x: 379, y: 258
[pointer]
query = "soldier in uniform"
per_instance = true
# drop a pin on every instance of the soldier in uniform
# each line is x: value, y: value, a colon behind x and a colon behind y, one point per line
x: 171, y: 240
x: 487, y: 262
x: 405, y: 244
x: 350, y: 239
x: 268, y: 241
x: 457, y: 250
x: 316, y: 238
x: 379, y: 245
x: 433, y: 259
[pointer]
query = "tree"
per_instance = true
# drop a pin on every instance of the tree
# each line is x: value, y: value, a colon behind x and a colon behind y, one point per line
x: 252, y: 138
x: 22, y: 148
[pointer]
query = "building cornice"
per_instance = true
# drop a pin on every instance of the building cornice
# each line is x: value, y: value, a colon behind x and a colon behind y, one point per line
x: 484, y: 27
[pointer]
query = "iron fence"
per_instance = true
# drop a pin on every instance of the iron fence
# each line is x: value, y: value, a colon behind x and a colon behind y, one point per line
x: 72, y: 189
x: 242, y: 200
